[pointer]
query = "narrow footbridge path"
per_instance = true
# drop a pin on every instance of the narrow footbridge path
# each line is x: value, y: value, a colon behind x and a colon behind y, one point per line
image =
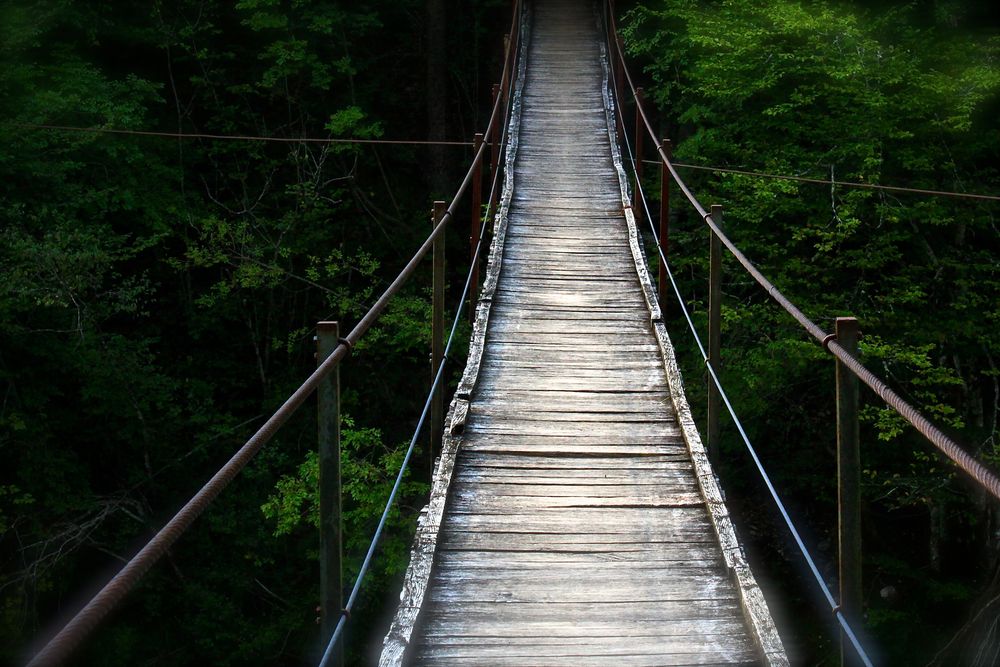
x: 574, y: 518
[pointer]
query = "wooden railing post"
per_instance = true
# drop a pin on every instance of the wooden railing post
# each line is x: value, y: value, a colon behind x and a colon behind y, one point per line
x: 330, y: 523
x: 437, y: 336
x: 848, y: 485
x: 714, y: 332
x: 477, y: 216
x: 637, y: 208
x: 661, y: 283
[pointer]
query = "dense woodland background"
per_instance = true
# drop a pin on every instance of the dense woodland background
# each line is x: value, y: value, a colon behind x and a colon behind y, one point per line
x: 157, y: 296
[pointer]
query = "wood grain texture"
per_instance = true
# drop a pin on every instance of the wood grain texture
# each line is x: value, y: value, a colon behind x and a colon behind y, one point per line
x: 571, y: 521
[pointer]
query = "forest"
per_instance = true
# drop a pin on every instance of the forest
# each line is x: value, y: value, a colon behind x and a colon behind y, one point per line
x: 158, y: 295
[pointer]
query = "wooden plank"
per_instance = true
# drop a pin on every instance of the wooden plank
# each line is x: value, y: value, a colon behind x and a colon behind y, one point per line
x: 571, y: 521
x: 536, y: 645
x: 681, y: 555
x: 565, y: 461
x: 490, y: 469
x: 548, y: 631
x: 579, y: 418
x: 482, y: 502
x: 590, y: 523
x: 471, y: 656
x: 448, y: 587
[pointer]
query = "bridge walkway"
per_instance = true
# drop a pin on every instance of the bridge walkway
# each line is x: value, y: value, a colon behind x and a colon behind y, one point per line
x: 574, y: 520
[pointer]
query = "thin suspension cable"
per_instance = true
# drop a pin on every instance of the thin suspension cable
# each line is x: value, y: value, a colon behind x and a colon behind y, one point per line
x: 946, y: 445
x: 806, y: 555
x: 58, y: 649
x: 240, y: 137
x: 846, y: 184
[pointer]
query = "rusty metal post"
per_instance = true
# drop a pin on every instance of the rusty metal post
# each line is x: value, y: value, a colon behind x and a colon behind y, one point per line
x: 848, y: 485
x: 506, y: 76
x: 619, y: 74
x: 331, y: 583
x: 477, y: 216
x: 437, y: 337
x: 714, y: 332
x: 495, y: 135
x: 661, y: 283
x: 637, y: 210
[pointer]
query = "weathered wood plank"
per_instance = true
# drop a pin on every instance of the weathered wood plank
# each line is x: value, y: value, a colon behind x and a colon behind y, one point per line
x: 682, y: 554
x: 671, y: 610
x: 571, y: 519
x: 619, y: 461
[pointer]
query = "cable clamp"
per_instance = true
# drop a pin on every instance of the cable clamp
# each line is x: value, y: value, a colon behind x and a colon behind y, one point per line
x: 346, y: 613
x: 835, y: 609
x: 350, y: 348
x: 827, y: 340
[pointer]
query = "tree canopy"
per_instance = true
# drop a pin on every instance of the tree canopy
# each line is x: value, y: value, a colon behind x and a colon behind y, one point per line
x: 157, y: 300
x: 894, y: 95
x: 158, y: 295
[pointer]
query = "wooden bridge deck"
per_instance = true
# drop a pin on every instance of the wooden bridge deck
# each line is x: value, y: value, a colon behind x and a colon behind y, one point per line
x: 573, y: 519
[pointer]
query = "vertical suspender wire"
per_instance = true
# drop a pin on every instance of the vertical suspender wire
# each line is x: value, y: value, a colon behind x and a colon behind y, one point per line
x: 834, y: 607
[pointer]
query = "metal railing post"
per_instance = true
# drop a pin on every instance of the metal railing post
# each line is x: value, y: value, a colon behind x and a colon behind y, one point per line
x: 637, y: 210
x: 495, y: 135
x: 661, y: 283
x: 507, y: 72
x: 477, y: 216
x: 330, y: 522
x: 848, y: 485
x: 714, y: 332
x: 619, y: 74
x: 437, y: 337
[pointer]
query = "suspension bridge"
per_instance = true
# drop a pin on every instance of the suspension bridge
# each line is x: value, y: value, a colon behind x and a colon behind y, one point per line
x: 574, y: 516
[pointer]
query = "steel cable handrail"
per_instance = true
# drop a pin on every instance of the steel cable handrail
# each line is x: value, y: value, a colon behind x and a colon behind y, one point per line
x: 806, y: 555
x: 83, y: 623
x: 238, y: 137
x: 946, y: 445
x: 826, y: 181
x: 330, y: 651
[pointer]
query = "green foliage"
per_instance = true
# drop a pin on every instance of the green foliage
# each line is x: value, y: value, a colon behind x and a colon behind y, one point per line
x: 848, y: 92
x: 158, y: 298
x: 368, y: 471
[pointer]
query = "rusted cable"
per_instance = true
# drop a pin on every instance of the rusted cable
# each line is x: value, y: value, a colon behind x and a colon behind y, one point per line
x: 765, y: 477
x: 348, y: 344
x: 968, y: 463
x: 239, y: 137
x: 338, y: 631
x: 826, y: 181
x: 963, y: 459
x: 58, y: 649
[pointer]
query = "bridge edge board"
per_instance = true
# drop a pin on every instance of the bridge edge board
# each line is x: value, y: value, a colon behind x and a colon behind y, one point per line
x: 755, y: 609
x: 422, y: 555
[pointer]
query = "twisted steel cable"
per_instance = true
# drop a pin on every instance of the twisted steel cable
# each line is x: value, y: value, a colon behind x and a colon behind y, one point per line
x: 946, y: 445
